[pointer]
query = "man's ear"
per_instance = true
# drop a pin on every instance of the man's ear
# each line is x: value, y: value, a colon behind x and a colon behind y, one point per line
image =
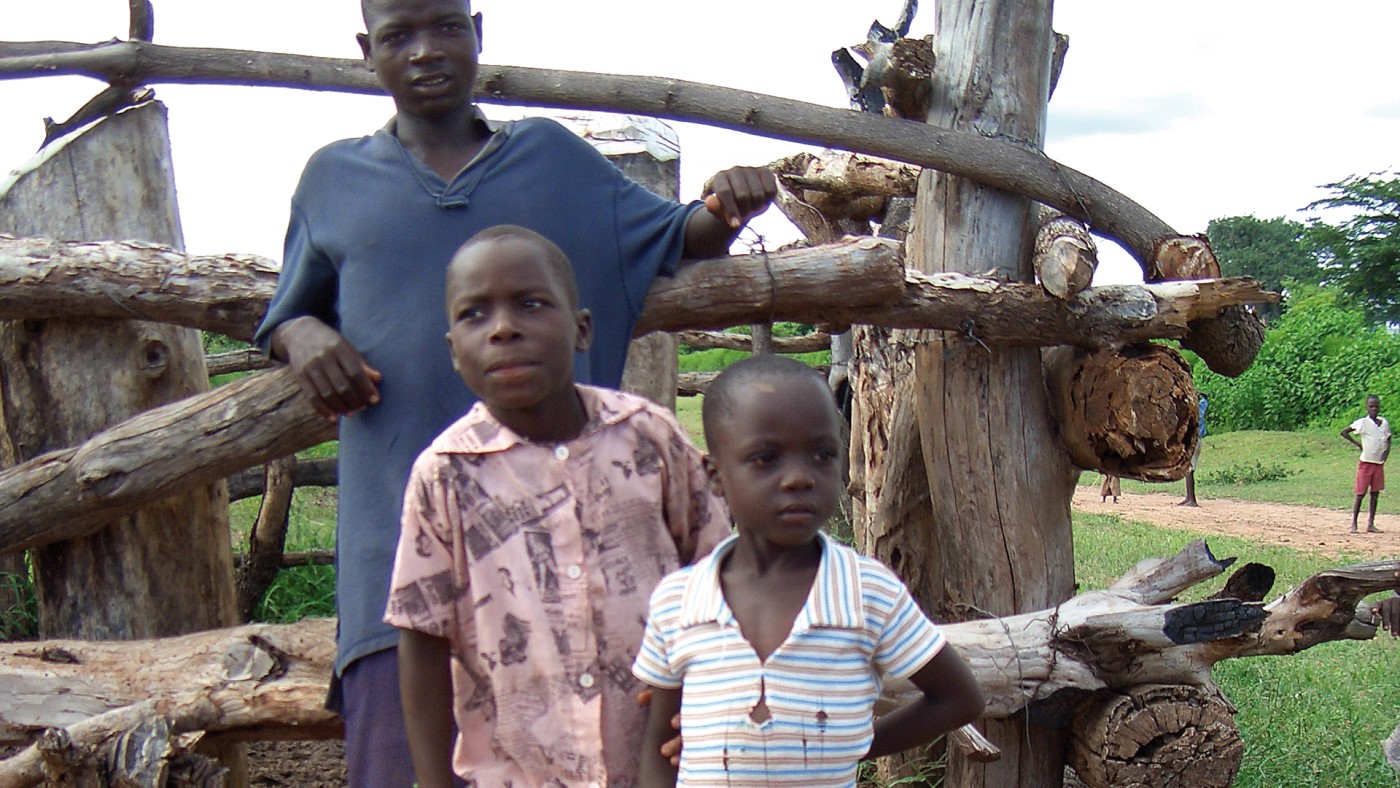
x: 476, y: 23
x: 363, y: 40
x: 583, y: 321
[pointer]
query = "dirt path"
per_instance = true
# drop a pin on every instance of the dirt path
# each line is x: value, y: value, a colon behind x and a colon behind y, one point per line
x: 1296, y: 527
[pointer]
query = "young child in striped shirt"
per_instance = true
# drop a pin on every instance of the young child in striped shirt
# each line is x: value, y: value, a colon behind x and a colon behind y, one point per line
x: 773, y: 648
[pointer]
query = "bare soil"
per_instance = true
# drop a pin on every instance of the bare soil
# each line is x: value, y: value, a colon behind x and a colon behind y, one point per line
x: 1296, y: 527
x: 322, y: 764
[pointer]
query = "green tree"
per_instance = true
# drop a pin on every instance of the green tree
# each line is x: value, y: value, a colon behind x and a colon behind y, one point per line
x: 1273, y: 251
x: 1362, y: 254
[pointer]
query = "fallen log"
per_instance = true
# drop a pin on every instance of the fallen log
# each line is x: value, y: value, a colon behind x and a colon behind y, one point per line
x: 705, y: 340
x: 1128, y: 412
x: 268, y: 681
x: 994, y: 162
x: 858, y: 280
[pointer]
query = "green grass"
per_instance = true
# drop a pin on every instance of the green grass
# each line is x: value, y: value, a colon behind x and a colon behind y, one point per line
x: 1314, y: 718
x: 1310, y: 468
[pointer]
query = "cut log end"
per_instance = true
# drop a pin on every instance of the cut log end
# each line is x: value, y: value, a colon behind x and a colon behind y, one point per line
x: 1135, y: 738
x: 1127, y: 412
x: 1227, y: 343
x: 1184, y: 257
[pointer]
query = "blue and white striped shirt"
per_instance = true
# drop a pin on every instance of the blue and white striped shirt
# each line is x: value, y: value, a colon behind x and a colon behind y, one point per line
x: 820, y: 686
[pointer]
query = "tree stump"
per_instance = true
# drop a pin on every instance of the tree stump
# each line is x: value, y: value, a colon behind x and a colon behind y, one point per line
x: 1157, y: 735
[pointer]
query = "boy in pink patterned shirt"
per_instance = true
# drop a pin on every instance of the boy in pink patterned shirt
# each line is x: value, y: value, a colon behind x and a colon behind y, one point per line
x: 534, y: 530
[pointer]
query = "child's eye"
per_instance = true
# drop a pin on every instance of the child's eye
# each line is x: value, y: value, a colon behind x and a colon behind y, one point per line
x: 763, y: 458
x: 827, y: 455
x: 534, y: 303
x: 469, y: 314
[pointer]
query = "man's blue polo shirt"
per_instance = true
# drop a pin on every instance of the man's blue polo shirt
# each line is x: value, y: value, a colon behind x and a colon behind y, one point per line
x: 371, y: 233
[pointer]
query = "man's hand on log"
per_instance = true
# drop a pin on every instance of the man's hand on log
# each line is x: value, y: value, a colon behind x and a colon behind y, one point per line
x: 330, y: 371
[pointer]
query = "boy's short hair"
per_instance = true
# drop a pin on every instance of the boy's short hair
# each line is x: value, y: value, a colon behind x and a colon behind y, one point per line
x: 555, y: 258
x: 365, y: 8
x: 720, y: 394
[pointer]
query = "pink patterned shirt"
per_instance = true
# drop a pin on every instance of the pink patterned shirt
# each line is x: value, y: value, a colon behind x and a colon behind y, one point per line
x: 536, y: 563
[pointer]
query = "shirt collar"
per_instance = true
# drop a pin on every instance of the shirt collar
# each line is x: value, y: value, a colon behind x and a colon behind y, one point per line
x: 480, y: 433
x: 492, y: 126
x: 833, y: 602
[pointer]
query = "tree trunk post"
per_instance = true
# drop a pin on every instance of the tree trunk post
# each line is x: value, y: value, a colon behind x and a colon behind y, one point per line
x: 998, y: 538
x: 167, y: 569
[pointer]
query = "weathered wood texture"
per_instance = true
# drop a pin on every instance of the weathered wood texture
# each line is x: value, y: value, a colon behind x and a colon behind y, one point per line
x: 1229, y: 342
x: 253, y: 682
x: 985, y: 157
x: 856, y: 280
x: 1127, y: 412
x: 258, y: 567
x: 704, y: 340
x: 69, y: 493
x: 319, y: 472
x: 267, y: 681
x: 999, y: 478
x: 1065, y: 256
x: 165, y: 569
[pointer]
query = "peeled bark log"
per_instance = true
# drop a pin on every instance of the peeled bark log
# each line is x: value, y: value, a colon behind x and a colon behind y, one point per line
x: 858, y: 280
x: 69, y: 493
x: 1129, y: 412
x: 1065, y: 256
x: 1138, y: 737
x: 1229, y: 342
x: 704, y: 340
x: 995, y: 162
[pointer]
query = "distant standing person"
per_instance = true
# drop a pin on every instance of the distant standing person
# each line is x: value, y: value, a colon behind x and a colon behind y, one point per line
x: 1196, y: 455
x: 1110, y: 485
x: 1375, y: 448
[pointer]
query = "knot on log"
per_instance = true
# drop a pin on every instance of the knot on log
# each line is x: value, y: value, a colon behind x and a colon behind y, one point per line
x: 1155, y: 730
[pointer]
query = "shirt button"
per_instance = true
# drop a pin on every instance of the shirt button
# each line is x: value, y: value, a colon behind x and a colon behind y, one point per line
x: 561, y: 453
x: 573, y: 572
x: 585, y: 680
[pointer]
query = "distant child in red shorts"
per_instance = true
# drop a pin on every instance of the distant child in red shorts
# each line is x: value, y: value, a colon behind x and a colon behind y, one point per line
x: 1375, y: 448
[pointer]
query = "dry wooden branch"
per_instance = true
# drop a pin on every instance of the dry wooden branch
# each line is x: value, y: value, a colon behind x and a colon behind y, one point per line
x: 693, y: 384
x: 859, y: 280
x: 245, y: 360
x: 42, y: 278
x: 267, y: 538
x: 1065, y: 256
x: 69, y: 493
x: 1228, y: 342
x: 704, y: 340
x: 990, y: 161
x: 320, y: 472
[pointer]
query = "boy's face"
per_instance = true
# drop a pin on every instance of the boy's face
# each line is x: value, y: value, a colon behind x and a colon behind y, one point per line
x: 1373, y: 407
x: 512, y: 331
x: 776, y: 458
x: 423, y: 52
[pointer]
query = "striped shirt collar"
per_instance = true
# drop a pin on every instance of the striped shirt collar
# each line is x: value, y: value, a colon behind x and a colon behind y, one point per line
x: 833, y: 602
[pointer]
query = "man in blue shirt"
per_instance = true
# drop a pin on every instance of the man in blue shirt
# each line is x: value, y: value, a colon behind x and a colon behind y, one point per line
x: 358, y: 314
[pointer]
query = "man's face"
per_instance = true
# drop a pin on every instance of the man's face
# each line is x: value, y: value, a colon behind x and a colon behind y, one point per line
x: 423, y: 52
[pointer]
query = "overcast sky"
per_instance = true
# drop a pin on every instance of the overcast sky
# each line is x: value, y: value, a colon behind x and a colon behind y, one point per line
x: 1197, y: 109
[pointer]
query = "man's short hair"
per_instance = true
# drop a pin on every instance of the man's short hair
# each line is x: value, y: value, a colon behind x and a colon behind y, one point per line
x: 722, y: 391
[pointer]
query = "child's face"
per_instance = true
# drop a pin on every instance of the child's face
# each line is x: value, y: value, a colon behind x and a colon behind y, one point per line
x: 1373, y: 407
x: 776, y: 458
x: 424, y: 53
x: 512, y: 331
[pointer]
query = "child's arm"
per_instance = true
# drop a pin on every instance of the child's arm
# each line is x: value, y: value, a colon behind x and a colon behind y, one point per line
x: 736, y: 196
x: 951, y: 699
x: 657, y: 769
x: 1346, y: 433
x: 425, y: 681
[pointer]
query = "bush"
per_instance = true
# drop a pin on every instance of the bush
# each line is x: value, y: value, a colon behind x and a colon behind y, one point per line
x: 1250, y: 474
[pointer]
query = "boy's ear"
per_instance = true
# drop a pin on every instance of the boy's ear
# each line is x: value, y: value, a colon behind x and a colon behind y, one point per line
x: 583, y: 321
x: 713, y: 473
x: 363, y: 40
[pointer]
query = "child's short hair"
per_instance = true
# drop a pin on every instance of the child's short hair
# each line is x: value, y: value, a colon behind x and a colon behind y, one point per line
x: 720, y: 394
x: 559, y: 266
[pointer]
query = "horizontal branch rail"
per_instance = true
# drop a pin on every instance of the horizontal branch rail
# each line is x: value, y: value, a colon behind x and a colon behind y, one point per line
x: 1003, y: 164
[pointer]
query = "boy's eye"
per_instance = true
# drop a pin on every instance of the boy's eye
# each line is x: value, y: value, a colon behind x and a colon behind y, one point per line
x: 827, y: 455
x: 469, y: 314
x: 763, y: 458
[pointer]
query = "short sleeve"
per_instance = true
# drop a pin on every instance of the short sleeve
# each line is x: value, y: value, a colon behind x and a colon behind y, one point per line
x: 696, y: 517
x: 652, y: 664
x: 307, y: 284
x: 909, y: 640
x: 650, y: 238
x: 1358, y: 425
x: 424, y: 588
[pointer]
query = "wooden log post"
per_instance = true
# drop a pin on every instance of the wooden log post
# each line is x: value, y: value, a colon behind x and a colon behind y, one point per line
x: 166, y: 568
x: 997, y: 539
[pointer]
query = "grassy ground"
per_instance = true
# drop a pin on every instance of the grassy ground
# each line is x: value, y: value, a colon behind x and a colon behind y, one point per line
x: 1308, y: 468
